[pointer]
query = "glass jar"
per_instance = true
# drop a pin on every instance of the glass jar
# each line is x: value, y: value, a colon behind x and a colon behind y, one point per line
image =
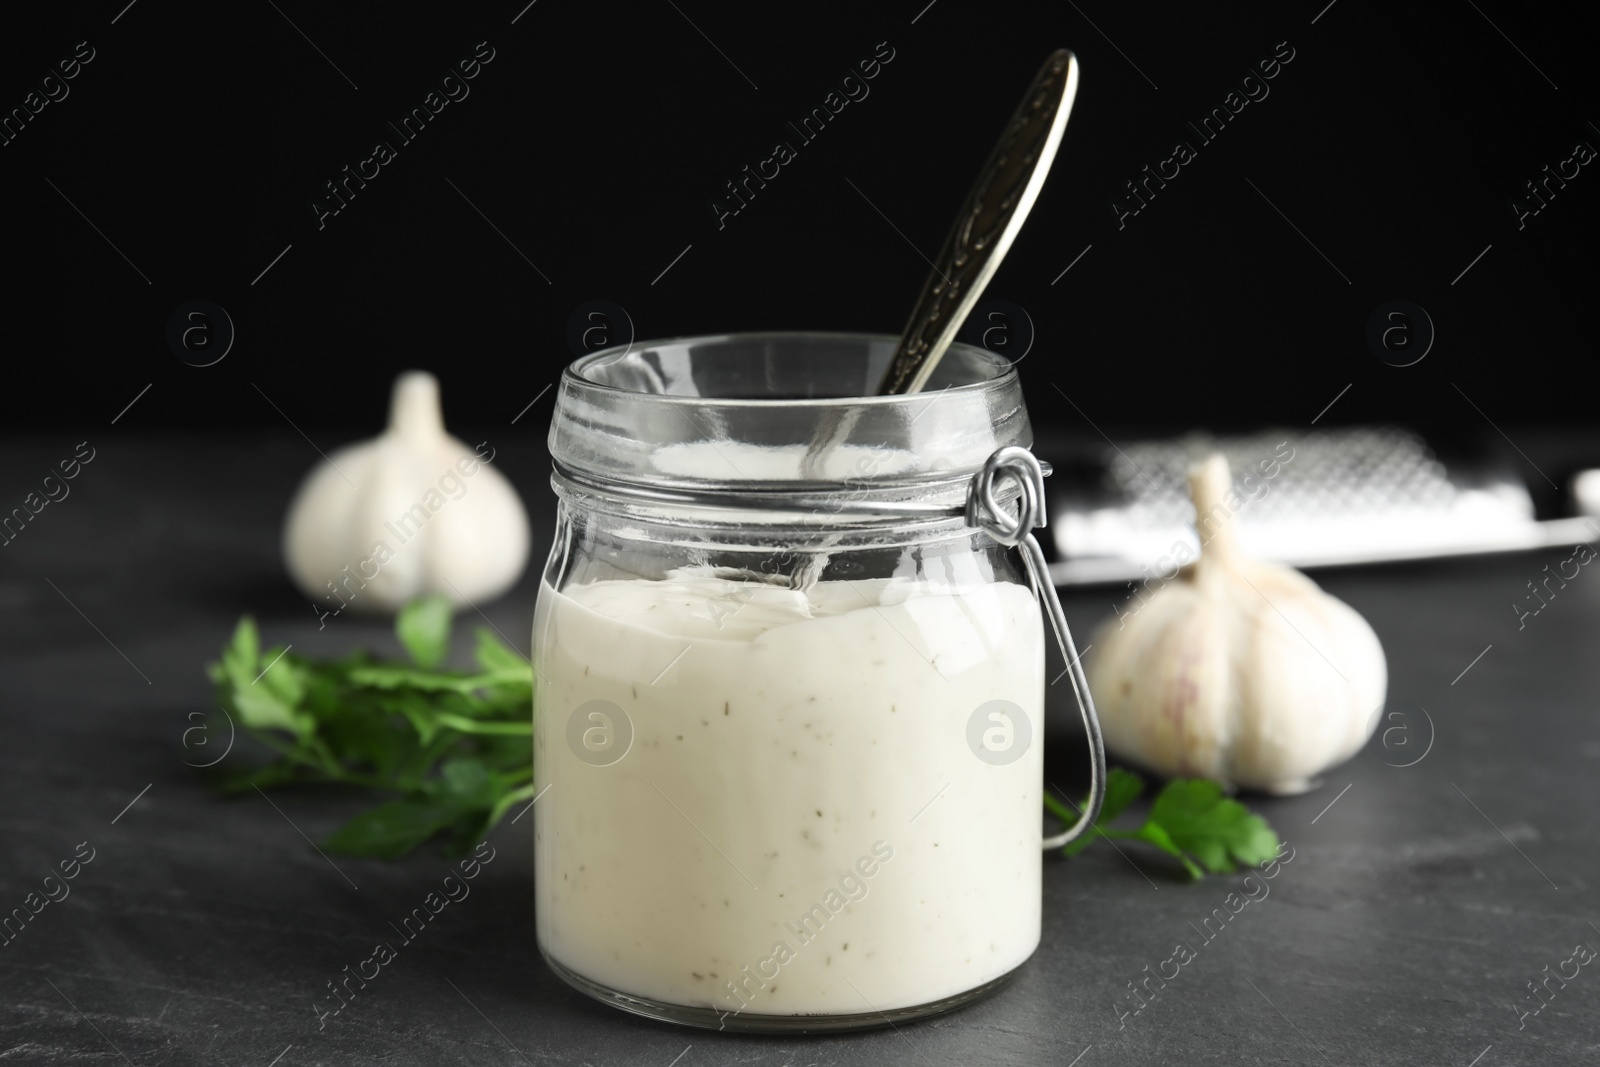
x: 788, y: 701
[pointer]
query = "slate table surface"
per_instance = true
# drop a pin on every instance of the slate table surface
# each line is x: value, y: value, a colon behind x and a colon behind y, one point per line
x: 1420, y: 901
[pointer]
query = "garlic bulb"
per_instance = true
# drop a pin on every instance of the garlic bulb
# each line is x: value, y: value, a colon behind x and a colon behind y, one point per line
x: 412, y: 511
x: 1236, y: 670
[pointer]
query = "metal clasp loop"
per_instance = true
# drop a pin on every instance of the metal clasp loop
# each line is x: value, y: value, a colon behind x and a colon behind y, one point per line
x: 1015, y: 530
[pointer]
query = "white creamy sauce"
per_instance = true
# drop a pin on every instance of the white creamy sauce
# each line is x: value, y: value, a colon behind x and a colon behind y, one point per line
x: 799, y: 825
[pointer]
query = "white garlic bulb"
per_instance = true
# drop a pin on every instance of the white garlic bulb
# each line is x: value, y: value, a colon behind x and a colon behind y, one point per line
x: 1236, y: 670
x: 410, y: 512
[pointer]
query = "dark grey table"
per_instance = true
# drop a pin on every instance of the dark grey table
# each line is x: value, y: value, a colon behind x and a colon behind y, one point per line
x: 1420, y: 903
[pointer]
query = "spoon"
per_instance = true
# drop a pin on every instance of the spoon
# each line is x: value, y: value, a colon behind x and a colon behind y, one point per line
x: 989, y: 221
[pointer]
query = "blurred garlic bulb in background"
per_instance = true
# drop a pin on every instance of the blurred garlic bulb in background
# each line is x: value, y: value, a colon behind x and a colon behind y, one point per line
x: 1237, y: 670
x: 410, y: 512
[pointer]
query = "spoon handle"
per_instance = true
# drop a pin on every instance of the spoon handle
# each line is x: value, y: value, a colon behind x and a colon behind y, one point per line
x: 995, y: 210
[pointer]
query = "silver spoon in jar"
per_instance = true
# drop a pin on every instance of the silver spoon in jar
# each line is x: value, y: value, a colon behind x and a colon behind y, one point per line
x: 990, y: 219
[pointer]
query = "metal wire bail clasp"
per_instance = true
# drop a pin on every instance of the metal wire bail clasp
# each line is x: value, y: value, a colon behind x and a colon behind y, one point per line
x: 1015, y: 529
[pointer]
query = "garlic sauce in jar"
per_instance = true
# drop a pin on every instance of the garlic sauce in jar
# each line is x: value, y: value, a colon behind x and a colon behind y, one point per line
x: 787, y: 756
x: 720, y: 861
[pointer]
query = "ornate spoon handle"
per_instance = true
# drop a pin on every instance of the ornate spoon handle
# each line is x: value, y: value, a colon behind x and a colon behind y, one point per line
x: 989, y: 221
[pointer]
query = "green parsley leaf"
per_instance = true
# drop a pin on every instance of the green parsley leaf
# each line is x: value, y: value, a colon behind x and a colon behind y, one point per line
x: 261, y: 688
x: 1217, y: 830
x: 424, y: 628
x: 467, y: 781
x: 495, y: 657
x: 449, y: 748
x: 1191, y: 820
x: 393, y: 829
x: 1152, y: 833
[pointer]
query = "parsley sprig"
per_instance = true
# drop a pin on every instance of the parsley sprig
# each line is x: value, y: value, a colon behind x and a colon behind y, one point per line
x: 451, y: 746
x: 1190, y: 819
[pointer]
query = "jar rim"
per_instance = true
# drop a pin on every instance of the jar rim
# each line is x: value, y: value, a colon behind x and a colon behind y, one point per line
x: 574, y: 371
x: 780, y: 411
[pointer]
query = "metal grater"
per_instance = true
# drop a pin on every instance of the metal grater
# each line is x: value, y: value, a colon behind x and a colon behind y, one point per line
x: 1308, y: 499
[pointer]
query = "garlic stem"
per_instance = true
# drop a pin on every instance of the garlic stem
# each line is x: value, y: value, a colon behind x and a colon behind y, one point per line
x: 414, y: 406
x: 1210, y: 484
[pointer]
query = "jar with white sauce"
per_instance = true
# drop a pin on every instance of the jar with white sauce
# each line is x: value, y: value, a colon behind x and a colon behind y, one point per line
x: 789, y: 692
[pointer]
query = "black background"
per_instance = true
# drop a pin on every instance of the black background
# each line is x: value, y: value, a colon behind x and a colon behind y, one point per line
x: 598, y: 134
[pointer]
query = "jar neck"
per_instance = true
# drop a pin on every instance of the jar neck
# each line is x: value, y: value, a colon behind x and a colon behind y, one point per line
x: 923, y: 508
